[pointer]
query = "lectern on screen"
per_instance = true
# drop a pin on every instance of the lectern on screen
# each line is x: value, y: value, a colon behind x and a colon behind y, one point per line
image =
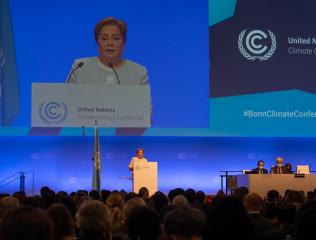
x: 77, y: 105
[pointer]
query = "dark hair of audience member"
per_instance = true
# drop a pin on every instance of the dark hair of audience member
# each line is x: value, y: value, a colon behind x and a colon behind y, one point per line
x: 70, y: 204
x: 143, y: 223
x: 143, y: 192
x: 285, y: 212
x: 21, y: 196
x: 25, y: 223
x: 190, y: 195
x: 227, y: 218
x: 220, y: 194
x: 285, y: 215
x: 35, y: 201
x: 240, y: 193
x: 200, y: 196
x: 273, y: 195
x: 160, y: 200
x: 44, y: 190
x: 130, y: 195
x: 83, y: 192
x: 253, y: 202
x: 115, y: 203
x: 175, y: 192
x: 94, y: 221
x: 8, y: 204
x: 180, y: 201
x: 48, y: 196
x: 310, y: 196
x: 184, y: 223
x: 171, y: 195
x: 299, y: 196
x: 131, y: 204
x: 305, y: 222
x: 115, y: 199
x: 63, y: 222
x: 104, y: 195
x: 60, y: 197
x: 62, y: 194
x: 94, y: 194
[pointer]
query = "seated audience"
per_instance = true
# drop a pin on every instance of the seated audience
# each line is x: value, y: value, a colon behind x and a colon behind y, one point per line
x: 240, y: 216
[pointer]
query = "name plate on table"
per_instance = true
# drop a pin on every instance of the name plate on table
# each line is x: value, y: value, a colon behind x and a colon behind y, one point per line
x: 77, y: 105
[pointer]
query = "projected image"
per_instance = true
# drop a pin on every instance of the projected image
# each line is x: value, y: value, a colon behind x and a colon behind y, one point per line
x: 109, y: 67
x: 262, y: 80
x: 159, y: 50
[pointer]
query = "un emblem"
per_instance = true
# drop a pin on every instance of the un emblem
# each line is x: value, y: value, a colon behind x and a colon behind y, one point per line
x: 255, y: 48
x: 53, y: 112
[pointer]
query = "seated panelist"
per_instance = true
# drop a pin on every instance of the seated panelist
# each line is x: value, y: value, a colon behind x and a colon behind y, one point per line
x: 279, y: 168
x: 260, y: 168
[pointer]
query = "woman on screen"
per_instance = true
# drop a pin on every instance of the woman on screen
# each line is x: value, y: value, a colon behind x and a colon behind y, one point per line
x: 109, y: 67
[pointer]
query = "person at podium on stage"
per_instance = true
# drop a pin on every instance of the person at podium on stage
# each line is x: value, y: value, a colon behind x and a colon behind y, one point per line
x: 279, y: 168
x: 109, y: 67
x: 139, y: 158
x: 260, y: 168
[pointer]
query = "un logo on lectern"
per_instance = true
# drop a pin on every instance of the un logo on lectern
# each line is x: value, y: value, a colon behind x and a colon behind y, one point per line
x: 256, y: 44
x: 53, y: 112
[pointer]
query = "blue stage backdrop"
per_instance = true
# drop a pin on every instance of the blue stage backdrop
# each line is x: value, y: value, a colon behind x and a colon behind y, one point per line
x: 64, y: 163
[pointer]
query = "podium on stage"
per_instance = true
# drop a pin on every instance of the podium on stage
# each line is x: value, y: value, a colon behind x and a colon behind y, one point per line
x: 146, y: 175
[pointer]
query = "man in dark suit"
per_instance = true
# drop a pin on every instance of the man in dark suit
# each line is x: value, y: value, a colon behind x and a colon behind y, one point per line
x: 264, y: 227
x: 279, y: 168
x: 260, y: 168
